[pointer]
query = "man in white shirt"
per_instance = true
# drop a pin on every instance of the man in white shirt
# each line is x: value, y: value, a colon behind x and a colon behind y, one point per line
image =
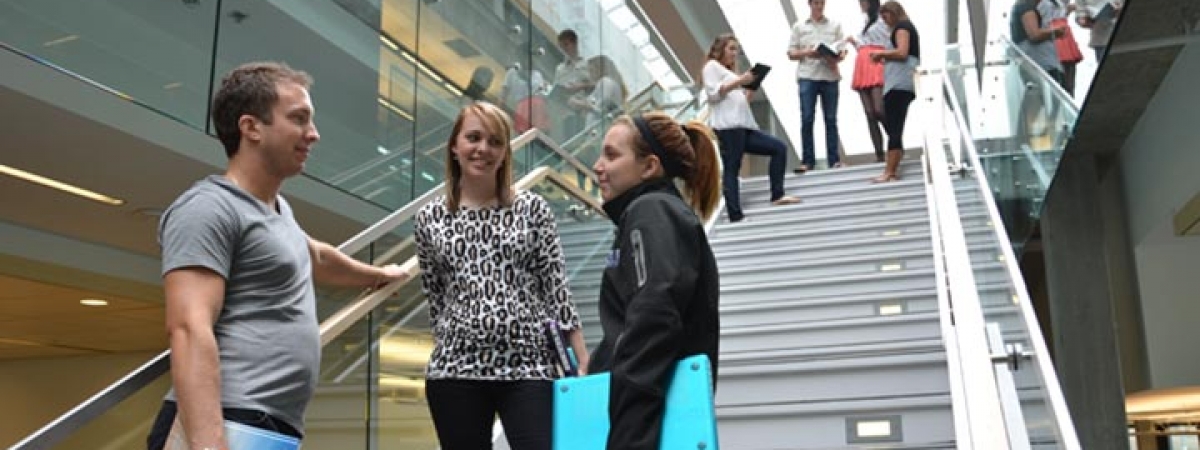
x: 1102, y: 28
x: 817, y: 76
x: 573, y: 78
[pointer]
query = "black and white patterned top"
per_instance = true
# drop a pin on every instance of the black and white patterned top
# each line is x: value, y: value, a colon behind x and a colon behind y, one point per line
x: 492, y: 276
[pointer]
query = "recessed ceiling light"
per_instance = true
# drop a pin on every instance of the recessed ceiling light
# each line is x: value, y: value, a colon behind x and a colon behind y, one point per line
x: 93, y: 302
x: 55, y: 184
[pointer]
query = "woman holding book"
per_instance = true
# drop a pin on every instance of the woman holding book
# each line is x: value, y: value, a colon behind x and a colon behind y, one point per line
x: 868, y: 74
x: 899, y: 89
x: 659, y: 297
x: 493, y: 273
x: 735, y: 126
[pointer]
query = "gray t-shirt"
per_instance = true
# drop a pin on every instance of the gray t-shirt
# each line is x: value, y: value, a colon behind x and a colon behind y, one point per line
x: 267, y: 333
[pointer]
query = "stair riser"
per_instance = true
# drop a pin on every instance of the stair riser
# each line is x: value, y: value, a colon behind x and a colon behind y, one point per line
x: 817, y: 313
x: 781, y: 274
x: 828, y: 431
x: 820, y: 290
x: 813, y: 236
x: 829, y: 385
x: 880, y: 331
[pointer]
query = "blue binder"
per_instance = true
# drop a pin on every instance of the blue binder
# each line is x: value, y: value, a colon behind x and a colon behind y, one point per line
x: 581, y: 410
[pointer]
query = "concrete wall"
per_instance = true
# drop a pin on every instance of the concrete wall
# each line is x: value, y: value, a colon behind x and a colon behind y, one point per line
x: 1160, y: 161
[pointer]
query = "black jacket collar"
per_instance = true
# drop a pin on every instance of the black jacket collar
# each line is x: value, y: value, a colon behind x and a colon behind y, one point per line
x: 616, y: 207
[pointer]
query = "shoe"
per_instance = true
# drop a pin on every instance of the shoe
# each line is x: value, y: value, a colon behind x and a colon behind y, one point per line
x: 837, y: 165
x: 736, y: 219
x: 785, y: 200
x: 803, y: 168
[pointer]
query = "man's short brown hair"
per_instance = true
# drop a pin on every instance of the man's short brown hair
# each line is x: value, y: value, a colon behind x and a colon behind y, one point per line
x: 250, y: 89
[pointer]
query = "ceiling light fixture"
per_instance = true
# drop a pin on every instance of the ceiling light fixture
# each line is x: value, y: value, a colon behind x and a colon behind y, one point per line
x: 55, y: 184
x: 61, y: 40
x: 93, y: 302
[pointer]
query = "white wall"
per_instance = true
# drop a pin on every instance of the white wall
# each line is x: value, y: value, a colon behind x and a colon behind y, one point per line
x: 1161, y: 165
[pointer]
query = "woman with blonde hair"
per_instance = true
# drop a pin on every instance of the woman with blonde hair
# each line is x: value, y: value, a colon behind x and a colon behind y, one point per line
x: 899, y: 89
x: 659, y: 297
x: 493, y: 273
x: 730, y: 117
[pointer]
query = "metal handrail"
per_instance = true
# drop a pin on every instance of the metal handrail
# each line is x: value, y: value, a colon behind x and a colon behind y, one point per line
x: 979, y: 379
x: 1041, y: 354
x: 958, y: 404
x: 88, y: 410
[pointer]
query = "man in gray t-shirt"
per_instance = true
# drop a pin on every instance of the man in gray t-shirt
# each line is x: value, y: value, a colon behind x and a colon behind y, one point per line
x: 238, y: 271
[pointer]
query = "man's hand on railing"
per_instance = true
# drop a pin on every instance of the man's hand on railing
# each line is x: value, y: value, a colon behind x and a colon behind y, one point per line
x: 389, y: 274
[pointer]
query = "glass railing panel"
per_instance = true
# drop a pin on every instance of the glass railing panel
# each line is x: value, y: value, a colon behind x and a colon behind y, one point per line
x: 157, y: 54
x: 1030, y: 120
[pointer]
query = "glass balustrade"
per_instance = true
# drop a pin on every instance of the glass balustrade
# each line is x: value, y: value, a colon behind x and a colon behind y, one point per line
x: 390, y: 75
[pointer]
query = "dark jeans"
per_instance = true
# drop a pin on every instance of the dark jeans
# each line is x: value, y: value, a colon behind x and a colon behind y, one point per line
x: 895, y: 112
x: 810, y: 91
x: 463, y: 412
x: 1100, y: 53
x: 258, y: 419
x: 734, y: 143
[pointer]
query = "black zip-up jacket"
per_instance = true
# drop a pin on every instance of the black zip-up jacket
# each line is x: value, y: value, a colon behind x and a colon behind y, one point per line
x: 658, y: 304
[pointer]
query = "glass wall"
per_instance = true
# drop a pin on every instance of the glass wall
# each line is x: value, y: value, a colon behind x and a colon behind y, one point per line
x: 390, y: 75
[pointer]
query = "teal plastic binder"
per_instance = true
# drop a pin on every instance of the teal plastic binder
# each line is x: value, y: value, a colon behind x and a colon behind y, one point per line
x: 581, y: 410
x: 239, y: 437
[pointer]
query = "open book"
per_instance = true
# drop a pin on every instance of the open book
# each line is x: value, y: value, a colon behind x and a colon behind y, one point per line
x: 829, y: 50
x: 760, y: 71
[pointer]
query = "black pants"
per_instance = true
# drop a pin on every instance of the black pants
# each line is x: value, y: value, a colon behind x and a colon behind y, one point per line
x: 895, y: 112
x: 735, y: 142
x: 463, y: 412
x: 258, y: 419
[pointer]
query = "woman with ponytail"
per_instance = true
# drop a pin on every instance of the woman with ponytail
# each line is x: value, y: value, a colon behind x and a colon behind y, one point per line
x: 658, y: 301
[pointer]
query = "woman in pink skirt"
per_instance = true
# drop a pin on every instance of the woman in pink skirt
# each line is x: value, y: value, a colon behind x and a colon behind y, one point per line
x: 868, y: 75
x: 1068, y: 50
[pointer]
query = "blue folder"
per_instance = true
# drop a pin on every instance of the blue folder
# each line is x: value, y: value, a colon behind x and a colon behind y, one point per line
x: 581, y: 410
x: 239, y: 437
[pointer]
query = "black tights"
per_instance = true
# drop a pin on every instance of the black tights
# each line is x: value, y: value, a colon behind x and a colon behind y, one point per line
x: 872, y: 101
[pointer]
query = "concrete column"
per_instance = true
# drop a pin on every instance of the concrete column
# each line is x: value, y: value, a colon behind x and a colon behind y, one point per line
x: 1081, y: 309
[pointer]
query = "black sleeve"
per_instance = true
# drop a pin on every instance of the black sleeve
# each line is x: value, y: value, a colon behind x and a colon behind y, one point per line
x: 657, y: 256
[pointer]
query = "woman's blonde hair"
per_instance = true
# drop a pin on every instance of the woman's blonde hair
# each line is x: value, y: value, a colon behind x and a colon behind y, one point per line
x: 692, y: 144
x: 717, y: 50
x: 895, y: 9
x: 498, y: 124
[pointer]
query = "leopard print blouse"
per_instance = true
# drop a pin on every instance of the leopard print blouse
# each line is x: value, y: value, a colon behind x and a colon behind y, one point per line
x: 491, y: 277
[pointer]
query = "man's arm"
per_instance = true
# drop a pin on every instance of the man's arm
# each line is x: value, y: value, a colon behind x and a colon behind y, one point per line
x: 194, y: 297
x: 797, y: 49
x: 331, y: 266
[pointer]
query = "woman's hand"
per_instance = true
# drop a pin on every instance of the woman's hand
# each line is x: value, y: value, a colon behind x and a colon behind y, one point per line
x: 877, y: 57
x: 746, y: 78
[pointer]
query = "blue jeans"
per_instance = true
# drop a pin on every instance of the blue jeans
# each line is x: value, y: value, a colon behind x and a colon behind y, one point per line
x: 827, y: 91
x: 1100, y: 53
x: 736, y: 142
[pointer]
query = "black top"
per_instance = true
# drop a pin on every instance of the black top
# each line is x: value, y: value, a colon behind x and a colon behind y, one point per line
x: 658, y: 304
x: 914, y: 39
x: 1015, y: 26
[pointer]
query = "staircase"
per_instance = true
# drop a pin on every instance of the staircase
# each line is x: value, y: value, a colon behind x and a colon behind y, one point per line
x: 830, y: 332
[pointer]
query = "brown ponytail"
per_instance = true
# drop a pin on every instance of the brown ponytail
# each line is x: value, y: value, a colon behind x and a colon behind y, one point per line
x: 704, y: 184
x: 692, y: 144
